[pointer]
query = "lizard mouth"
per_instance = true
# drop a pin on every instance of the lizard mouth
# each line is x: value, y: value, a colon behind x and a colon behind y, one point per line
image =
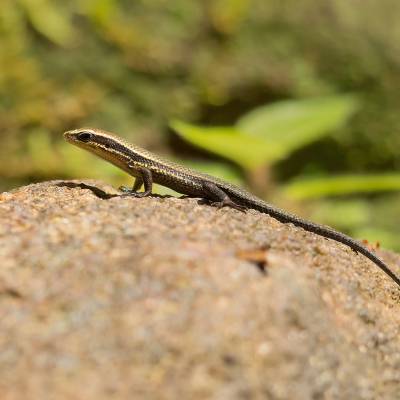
x: 69, y: 136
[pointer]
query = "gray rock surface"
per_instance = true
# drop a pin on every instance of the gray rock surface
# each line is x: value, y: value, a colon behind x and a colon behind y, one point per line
x: 105, y: 297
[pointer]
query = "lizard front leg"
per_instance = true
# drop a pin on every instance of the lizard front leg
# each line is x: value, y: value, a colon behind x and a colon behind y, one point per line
x: 145, y: 178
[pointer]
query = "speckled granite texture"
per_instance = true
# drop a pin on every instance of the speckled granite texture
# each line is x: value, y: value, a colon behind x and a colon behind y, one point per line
x: 104, y: 297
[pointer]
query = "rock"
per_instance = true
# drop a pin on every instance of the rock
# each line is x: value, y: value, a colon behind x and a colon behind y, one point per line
x: 162, y: 298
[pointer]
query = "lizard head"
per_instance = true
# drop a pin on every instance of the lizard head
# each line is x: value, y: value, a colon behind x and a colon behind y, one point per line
x: 100, y: 143
x: 94, y: 140
x: 83, y: 137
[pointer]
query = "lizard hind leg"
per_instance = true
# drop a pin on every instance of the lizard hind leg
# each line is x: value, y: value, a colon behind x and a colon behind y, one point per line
x: 219, y: 198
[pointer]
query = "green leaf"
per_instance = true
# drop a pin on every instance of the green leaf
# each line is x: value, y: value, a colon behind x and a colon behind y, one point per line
x: 271, y: 133
x: 341, y: 185
x: 249, y: 152
x: 293, y: 124
x: 49, y: 20
x: 343, y: 214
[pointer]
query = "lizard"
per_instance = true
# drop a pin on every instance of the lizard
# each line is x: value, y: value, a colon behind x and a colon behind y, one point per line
x: 147, y: 168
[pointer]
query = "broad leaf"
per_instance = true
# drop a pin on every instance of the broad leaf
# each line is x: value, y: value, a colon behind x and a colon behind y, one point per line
x: 247, y: 151
x: 342, y: 185
x: 345, y: 214
x: 293, y: 124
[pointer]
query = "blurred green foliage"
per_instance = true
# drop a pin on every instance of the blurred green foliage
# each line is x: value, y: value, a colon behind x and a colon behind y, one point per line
x: 271, y: 133
x: 312, y: 188
x: 132, y: 66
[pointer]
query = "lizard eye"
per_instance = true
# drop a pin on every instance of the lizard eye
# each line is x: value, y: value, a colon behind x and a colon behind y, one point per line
x: 84, y: 136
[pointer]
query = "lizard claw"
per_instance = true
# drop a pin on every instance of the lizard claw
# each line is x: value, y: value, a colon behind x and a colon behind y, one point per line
x: 131, y: 193
x: 228, y: 203
x: 124, y: 189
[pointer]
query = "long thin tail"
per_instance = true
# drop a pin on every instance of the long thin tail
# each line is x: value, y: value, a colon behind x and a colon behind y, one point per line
x: 354, y: 245
x: 329, y: 233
